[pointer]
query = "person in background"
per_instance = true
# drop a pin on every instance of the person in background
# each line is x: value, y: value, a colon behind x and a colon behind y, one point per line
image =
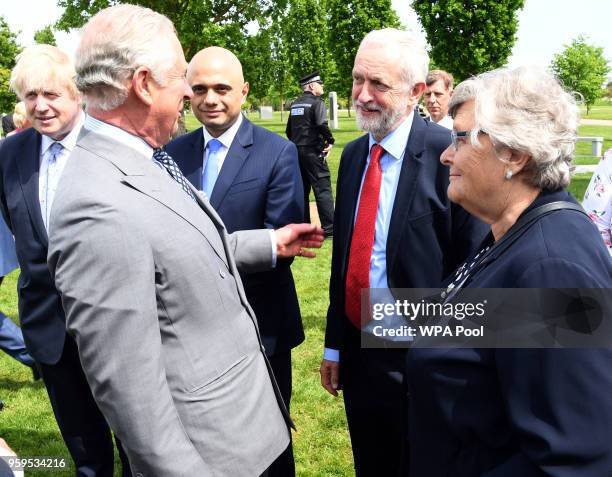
x: 503, y: 412
x: 7, y: 124
x: 31, y: 165
x: 20, y: 119
x: 598, y: 198
x: 437, y: 95
x: 307, y: 128
x: 11, y: 338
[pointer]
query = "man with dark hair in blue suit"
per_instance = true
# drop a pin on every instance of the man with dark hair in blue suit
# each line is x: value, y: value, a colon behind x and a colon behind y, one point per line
x: 394, y: 227
x: 252, y: 179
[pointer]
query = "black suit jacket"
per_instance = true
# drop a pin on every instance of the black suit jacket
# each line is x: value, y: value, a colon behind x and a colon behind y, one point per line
x: 259, y: 186
x: 520, y: 412
x: 40, y: 310
x: 428, y: 236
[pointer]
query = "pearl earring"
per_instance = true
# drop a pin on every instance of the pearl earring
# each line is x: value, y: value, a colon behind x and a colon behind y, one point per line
x: 509, y: 174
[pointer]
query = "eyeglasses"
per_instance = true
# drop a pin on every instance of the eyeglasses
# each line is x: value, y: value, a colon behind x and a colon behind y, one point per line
x: 457, y: 134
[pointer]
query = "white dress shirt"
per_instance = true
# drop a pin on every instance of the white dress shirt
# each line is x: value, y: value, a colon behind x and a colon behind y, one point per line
x: 49, y: 174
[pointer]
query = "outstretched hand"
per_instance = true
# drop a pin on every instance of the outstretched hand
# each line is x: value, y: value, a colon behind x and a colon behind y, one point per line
x: 295, y: 240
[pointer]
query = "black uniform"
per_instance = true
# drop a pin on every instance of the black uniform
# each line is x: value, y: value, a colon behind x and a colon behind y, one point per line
x: 307, y: 128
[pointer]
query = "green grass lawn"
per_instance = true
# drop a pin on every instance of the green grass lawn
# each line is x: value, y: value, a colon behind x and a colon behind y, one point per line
x: 602, y: 109
x: 321, y: 444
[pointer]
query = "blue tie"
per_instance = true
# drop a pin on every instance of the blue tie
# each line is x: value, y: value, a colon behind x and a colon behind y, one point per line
x: 211, y: 168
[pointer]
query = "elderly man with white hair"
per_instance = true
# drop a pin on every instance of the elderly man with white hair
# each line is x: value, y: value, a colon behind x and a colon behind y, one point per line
x: 149, y: 276
x: 394, y: 228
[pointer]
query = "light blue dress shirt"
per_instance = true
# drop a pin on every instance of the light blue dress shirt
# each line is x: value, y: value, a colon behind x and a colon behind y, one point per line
x: 391, y: 161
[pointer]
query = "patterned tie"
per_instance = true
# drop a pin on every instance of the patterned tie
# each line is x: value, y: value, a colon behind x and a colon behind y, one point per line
x: 360, y: 254
x: 52, y: 178
x: 211, y: 169
x: 163, y: 158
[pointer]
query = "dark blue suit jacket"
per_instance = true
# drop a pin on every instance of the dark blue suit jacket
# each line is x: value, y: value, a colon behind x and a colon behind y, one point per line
x: 258, y: 186
x: 520, y: 412
x: 428, y: 236
x: 40, y: 310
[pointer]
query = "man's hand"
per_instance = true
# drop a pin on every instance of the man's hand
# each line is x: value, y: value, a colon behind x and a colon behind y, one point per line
x: 293, y: 240
x: 5, y: 450
x: 330, y: 372
x: 327, y: 149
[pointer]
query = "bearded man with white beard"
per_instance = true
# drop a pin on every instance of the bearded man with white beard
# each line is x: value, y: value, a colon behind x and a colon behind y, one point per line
x: 394, y: 227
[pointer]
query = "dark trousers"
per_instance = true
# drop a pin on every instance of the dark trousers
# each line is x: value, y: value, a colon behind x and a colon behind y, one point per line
x: 315, y: 175
x: 81, y: 423
x: 376, y: 404
x: 284, y: 465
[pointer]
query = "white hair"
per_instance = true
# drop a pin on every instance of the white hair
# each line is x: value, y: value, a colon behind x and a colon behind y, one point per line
x: 413, y: 58
x: 115, y: 42
x: 526, y: 110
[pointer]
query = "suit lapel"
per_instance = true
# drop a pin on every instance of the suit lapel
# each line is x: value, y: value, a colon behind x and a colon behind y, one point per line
x: 28, y: 164
x: 143, y: 175
x: 407, y: 186
x: 193, y: 158
x: 353, y: 172
x: 235, y: 159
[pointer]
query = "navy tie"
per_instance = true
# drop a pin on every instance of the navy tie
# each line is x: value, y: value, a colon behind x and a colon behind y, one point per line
x: 163, y: 158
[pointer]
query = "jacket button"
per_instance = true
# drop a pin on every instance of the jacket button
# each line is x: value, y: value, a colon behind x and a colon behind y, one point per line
x: 222, y: 273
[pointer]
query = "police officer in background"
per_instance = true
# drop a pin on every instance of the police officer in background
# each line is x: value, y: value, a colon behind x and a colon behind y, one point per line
x: 307, y: 128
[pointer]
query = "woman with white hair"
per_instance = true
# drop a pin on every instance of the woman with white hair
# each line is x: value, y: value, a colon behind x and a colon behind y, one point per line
x: 516, y: 412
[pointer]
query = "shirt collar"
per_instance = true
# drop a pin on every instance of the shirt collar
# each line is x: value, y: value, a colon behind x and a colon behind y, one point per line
x: 395, y: 142
x: 227, y: 137
x: 119, y: 135
x: 68, y: 142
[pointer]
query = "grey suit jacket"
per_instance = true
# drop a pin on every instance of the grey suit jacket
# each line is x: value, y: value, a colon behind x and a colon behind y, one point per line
x: 170, y: 347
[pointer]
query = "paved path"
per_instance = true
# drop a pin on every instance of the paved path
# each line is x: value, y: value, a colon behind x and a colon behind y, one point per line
x: 596, y: 122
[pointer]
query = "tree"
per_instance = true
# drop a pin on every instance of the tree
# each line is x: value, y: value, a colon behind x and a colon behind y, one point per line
x: 350, y: 21
x: 468, y: 37
x: 9, y: 49
x: 305, y: 37
x: 582, y: 67
x: 45, y: 36
x: 198, y: 23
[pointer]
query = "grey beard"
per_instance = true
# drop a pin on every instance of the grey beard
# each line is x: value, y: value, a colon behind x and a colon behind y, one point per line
x: 383, y: 125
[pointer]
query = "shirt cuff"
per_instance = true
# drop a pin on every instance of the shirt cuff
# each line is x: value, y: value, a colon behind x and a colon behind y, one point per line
x: 273, y: 244
x: 331, y: 355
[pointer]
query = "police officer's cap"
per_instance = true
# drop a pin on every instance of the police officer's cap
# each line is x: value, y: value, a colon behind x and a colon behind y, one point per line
x: 311, y: 78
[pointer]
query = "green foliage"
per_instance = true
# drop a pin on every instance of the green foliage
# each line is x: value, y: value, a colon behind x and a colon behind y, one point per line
x: 305, y: 37
x: 45, y: 36
x: 349, y: 21
x: 9, y: 49
x: 198, y: 23
x: 468, y: 37
x: 582, y: 67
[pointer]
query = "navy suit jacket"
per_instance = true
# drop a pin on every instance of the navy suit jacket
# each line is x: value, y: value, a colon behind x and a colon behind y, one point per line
x: 40, y: 309
x: 428, y: 236
x: 259, y: 186
x: 520, y: 412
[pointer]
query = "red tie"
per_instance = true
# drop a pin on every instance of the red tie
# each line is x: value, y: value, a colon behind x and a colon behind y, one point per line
x: 358, y: 272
